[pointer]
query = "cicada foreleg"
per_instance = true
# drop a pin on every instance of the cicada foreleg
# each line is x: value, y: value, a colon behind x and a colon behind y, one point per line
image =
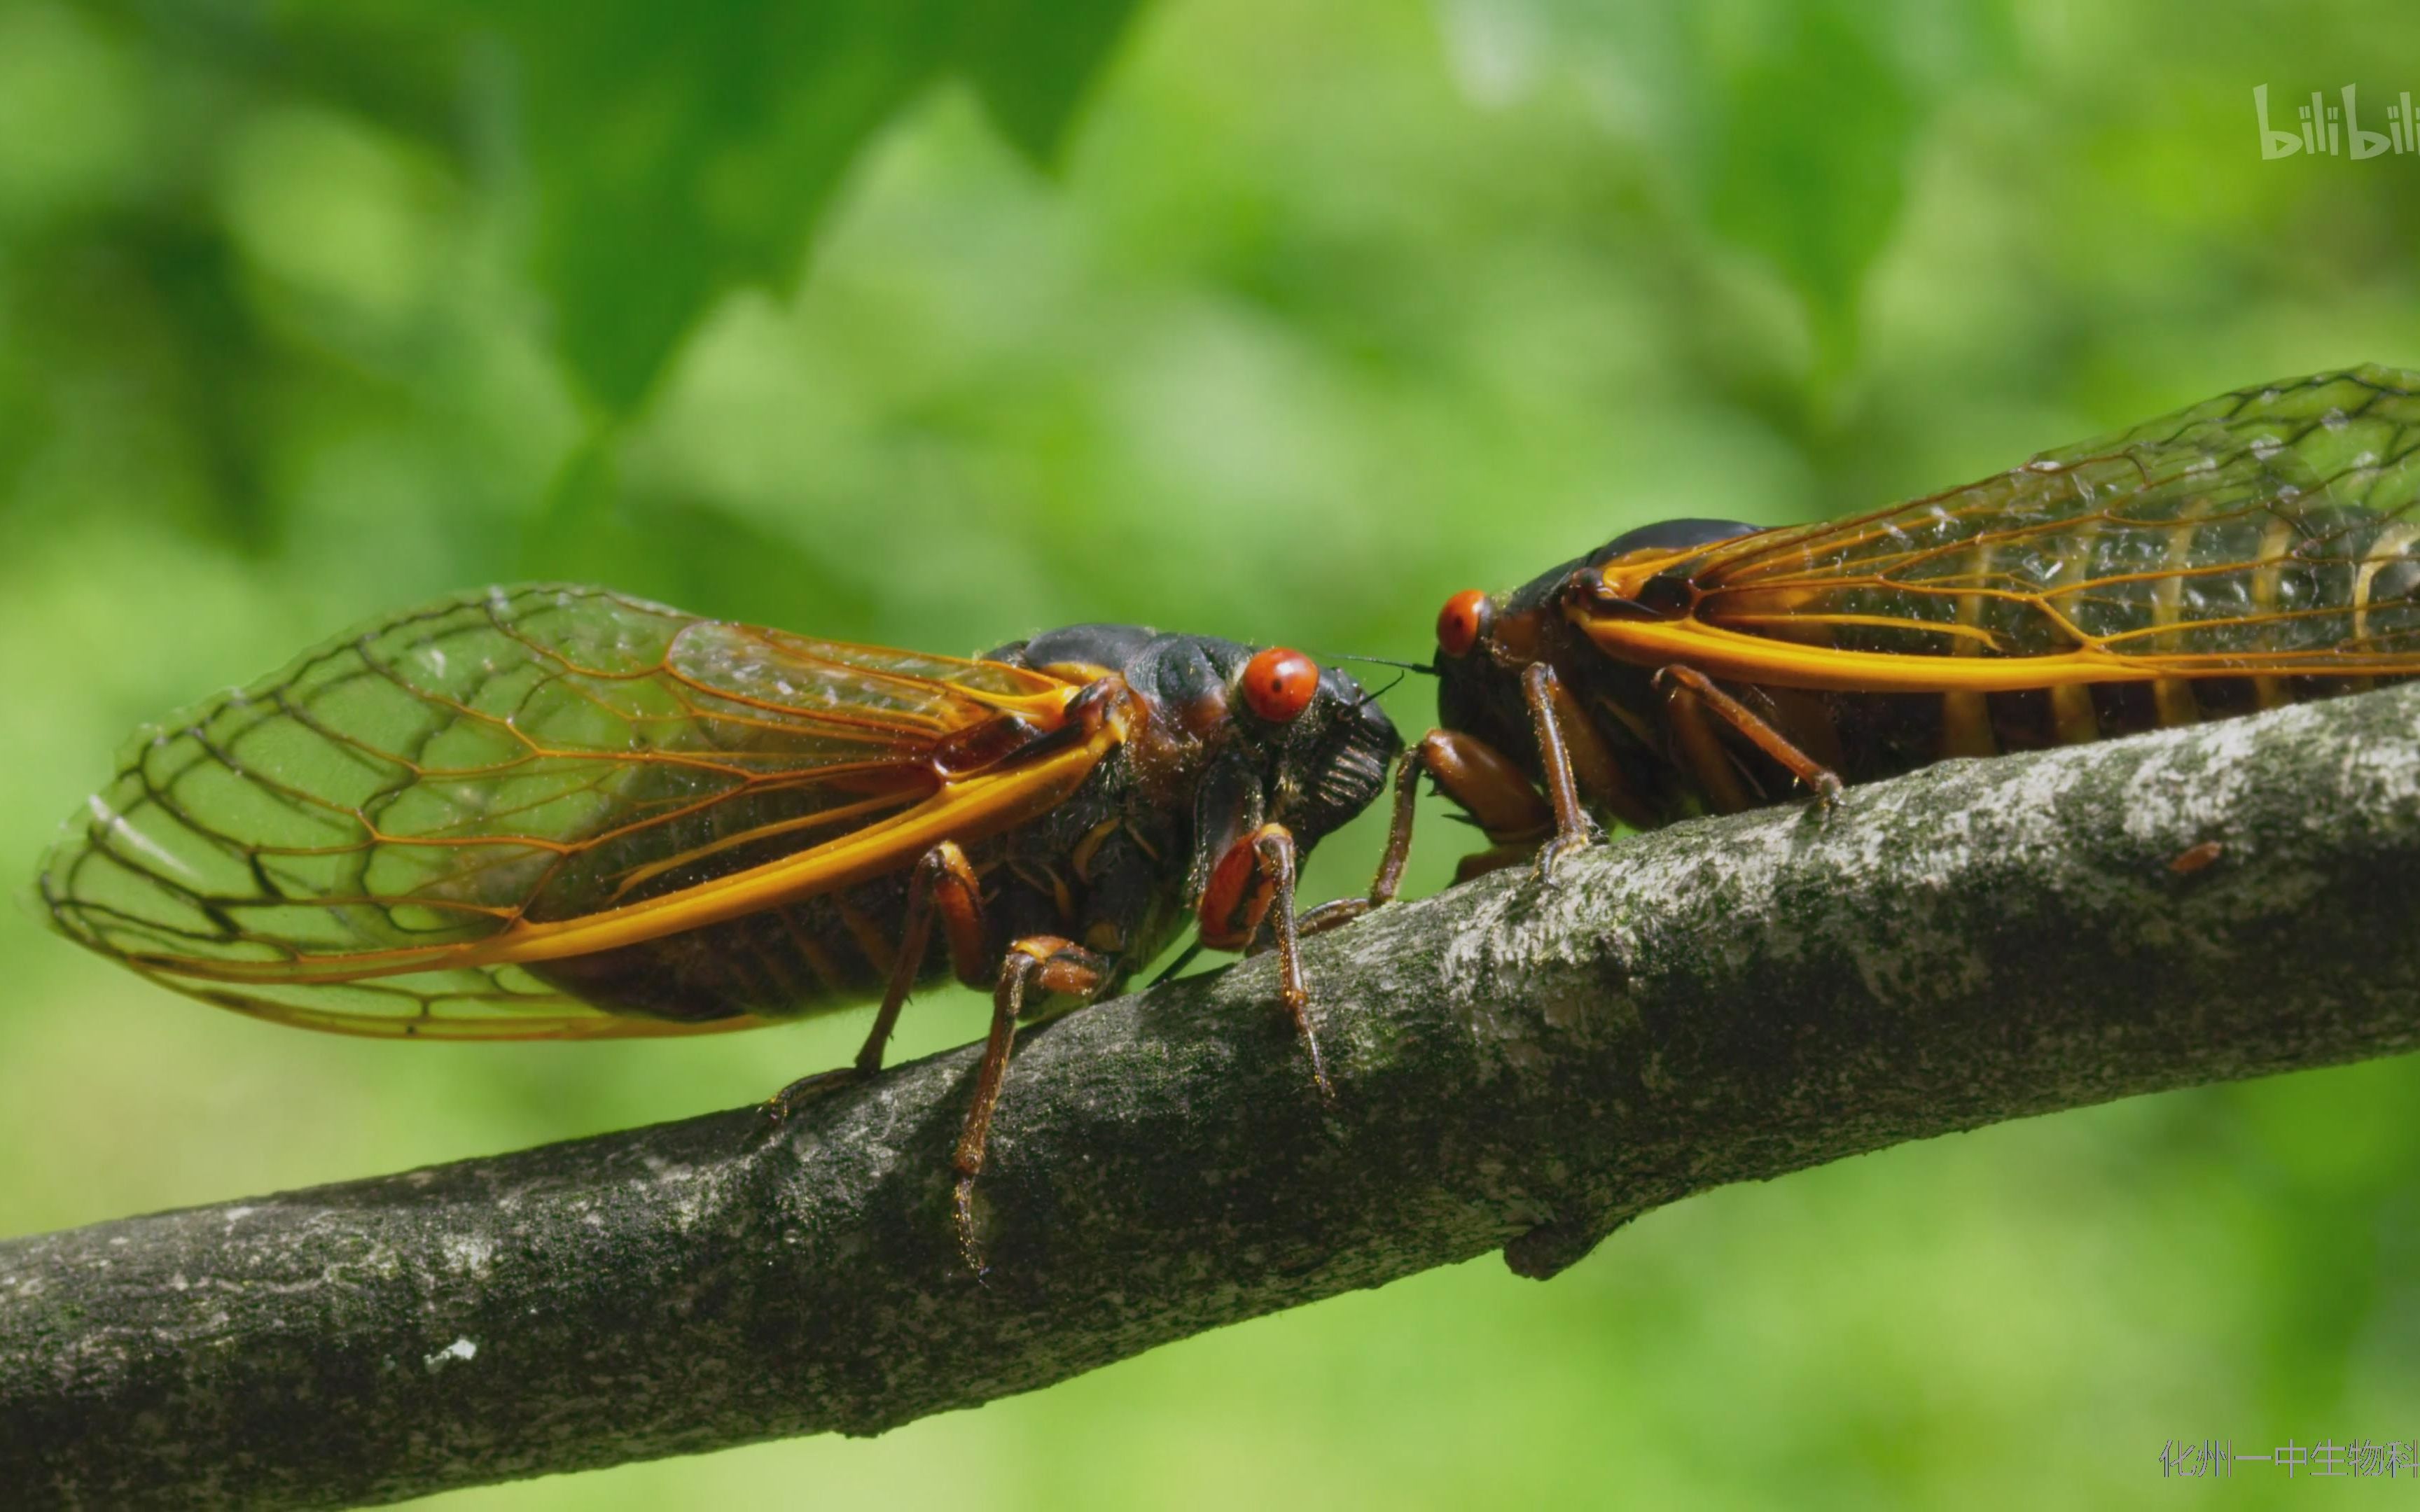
x: 1819, y: 779
x: 944, y: 883
x: 1389, y: 877
x: 1252, y: 884
x: 1508, y: 807
x: 1540, y: 690
x: 1578, y: 764
x: 1039, y: 963
x: 1505, y: 805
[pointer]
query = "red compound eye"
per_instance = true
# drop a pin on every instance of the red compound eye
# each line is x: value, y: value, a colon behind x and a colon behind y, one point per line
x: 1462, y: 622
x: 1279, y: 683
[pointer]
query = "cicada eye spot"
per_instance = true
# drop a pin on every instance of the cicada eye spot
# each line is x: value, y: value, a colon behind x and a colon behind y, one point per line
x: 1463, y: 621
x: 1279, y: 684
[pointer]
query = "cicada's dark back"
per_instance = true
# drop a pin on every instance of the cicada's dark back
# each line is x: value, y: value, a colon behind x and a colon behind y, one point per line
x: 555, y: 811
x: 2240, y: 554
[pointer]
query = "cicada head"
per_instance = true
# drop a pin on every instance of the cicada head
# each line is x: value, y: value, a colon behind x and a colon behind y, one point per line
x: 1477, y: 692
x: 1239, y: 734
x: 1485, y: 642
x: 1332, y: 757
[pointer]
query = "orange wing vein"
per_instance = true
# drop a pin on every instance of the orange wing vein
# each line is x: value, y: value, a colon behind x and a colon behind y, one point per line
x: 378, y: 838
x: 2268, y: 532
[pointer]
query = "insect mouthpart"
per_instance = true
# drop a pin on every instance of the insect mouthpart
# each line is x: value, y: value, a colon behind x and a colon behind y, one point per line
x: 1345, y: 784
x: 1347, y: 771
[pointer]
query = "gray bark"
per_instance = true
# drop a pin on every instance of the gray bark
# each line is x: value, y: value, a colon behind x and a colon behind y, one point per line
x: 1518, y: 1067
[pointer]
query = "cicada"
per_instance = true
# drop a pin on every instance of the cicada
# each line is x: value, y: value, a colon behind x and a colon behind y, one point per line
x: 2244, y: 553
x: 553, y: 812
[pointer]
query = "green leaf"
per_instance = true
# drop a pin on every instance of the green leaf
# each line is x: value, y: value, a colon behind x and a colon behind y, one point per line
x: 1813, y: 166
x: 674, y: 156
x: 1031, y: 62
x: 677, y: 155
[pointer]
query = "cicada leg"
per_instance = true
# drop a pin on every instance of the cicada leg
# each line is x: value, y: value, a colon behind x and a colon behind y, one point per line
x: 1042, y: 962
x: 1819, y: 779
x: 943, y: 882
x: 1576, y: 762
x: 1389, y: 879
x: 1505, y: 805
x: 1539, y: 689
x: 1252, y: 884
x: 1484, y: 782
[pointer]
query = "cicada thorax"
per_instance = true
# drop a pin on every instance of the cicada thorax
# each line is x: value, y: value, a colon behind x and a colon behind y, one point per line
x: 2251, y: 551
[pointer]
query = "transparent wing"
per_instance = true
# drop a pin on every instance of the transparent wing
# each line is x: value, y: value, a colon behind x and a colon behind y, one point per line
x: 2269, y: 530
x: 355, y: 842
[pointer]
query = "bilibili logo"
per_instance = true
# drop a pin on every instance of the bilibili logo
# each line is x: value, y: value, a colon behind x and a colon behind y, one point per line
x: 2328, y: 129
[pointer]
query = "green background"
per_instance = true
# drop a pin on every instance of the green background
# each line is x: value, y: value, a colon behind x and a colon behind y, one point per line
x: 935, y: 323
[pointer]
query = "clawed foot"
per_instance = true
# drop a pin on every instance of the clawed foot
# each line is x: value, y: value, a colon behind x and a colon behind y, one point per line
x: 1298, y: 1008
x: 783, y: 1104
x: 1334, y: 914
x: 1551, y: 854
x: 962, y: 1202
x: 789, y: 1100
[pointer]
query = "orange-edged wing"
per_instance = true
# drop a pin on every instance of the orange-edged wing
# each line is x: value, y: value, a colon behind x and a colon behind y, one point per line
x: 379, y: 838
x: 2265, y: 532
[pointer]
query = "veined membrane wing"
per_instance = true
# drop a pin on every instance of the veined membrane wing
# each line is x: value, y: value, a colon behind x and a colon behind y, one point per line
x: 379, y: 838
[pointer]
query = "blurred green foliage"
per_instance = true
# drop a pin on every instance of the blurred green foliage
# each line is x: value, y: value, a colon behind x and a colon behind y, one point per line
x: 933, y: 323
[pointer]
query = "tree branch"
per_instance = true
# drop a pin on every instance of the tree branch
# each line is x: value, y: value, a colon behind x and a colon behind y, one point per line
x: 1517, y: 1068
